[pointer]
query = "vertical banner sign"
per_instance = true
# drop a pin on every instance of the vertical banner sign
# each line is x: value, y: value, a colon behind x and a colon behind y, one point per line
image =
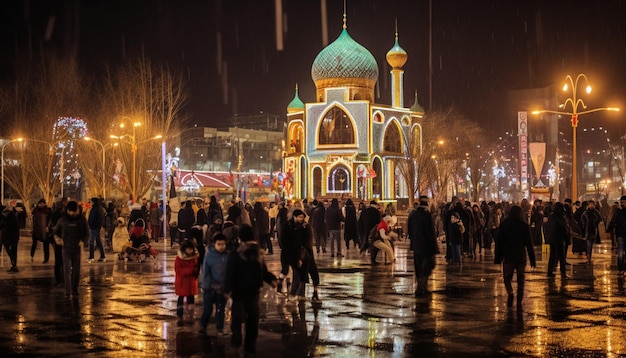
x: 522, y: 133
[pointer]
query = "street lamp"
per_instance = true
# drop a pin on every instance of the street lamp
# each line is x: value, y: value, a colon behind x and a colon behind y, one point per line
x: 103, y: 146
x: 2, y: 163
x: 575, y: 102
x: 133, y: 145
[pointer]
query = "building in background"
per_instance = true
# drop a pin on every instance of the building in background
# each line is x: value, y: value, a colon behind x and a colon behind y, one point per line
x: 343, y: 144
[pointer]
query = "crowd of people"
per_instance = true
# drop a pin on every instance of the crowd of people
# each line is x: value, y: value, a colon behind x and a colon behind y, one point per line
x: 221, y: 246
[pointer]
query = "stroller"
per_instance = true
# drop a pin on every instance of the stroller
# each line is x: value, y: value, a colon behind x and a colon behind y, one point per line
x: 139, y: 247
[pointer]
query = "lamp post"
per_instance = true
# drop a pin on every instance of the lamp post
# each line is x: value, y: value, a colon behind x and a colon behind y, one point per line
x: 133, y: 145
x: 103, y: 146
x: 575, y: 102
x: 2, y: 163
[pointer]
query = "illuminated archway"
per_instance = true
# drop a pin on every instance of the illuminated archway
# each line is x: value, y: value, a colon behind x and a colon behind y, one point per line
x: 377, y: 176
x: 339, y: 180
x: 317, y: 182
x: 336, y: 127
x: 392, y: 141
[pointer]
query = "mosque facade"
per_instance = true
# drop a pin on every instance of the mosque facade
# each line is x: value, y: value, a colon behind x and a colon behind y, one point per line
x: 344, y: 144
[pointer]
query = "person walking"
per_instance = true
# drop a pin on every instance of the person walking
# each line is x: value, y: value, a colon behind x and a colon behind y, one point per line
x: 298, y: 247
x: 156, y: 222
x: 245, y: 273
x: 72, y: 233
x: 57, y: 213
x: 618, y: 224
x: 41, y: 213
x: 333, y: 222
x: 455, y: 237
x: 213, y: 281
x: 421, y: 233
x: 557, y: 234
x: 590, y: 220
x: 10, y: 235
x: 350, y: 231
x: 318, y: 223
x: 96, y: 222
x: 513, y: 244
x: 261, y: 224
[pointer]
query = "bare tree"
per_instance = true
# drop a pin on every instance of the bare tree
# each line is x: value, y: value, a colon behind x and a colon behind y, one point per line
x: 50, y: 88
x: 409, y: 164
x: 143, y: 101
x: 447, y: 138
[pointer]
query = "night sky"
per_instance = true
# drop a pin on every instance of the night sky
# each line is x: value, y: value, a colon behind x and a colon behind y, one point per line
x: 481, y: 48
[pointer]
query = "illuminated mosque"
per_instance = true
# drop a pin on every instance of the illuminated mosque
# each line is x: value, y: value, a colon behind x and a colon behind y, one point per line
x: 345, y: 144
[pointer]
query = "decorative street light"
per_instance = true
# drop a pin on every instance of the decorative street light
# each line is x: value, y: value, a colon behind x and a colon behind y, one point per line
x: 133, y: 145
x: 575, y: 102
x: 103, y: 146
x: 2, y: 163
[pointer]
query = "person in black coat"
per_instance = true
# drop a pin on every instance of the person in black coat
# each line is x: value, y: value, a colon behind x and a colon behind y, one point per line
x: 186, y: 219
x: 40, y: 214
x: 618, y: 225
x: 421, y: 232
x: 557, y: 234
x: 245, y: 273
x: 298, y: 248
x: 10, y: 235
x: 513, y: 244
x: 318, y: 222
x: 334, y: 218
x: 350, y: 231
x: 370, y: 217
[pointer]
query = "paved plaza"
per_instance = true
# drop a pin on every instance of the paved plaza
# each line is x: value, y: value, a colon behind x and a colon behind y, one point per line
x: 129, y: 309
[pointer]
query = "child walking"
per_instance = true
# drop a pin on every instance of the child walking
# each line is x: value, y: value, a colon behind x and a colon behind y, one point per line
x: 245, y: 273
x: 213, y: 278
x: 186, y: 282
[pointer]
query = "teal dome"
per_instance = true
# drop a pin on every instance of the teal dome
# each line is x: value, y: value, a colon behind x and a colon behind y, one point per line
x: 296, y: 103
x: 344, y: 58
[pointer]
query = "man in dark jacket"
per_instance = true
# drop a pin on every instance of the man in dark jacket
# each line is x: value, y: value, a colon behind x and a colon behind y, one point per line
x: 186, y: 219
x: 590, y: 220
x: 318, y: 222
x: 370, y: 217
x: 421, y: 232
x: 72, y: 233
x: 618, y: 223
x: 96, y: 222
x: 557, y: 234
x: 40, y: 230
x: 245, y: 273
x: 298, y: 248
x: 513, y: 243
x: 10, y: 235
x: 334, y: 217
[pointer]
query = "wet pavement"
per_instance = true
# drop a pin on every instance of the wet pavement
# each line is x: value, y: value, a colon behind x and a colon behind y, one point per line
x: 129, y: 309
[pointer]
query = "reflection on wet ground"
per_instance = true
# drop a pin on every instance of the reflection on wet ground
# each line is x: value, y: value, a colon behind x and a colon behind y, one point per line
x: 364, y: 310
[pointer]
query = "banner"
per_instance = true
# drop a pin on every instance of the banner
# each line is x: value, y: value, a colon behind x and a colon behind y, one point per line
x: 522, y: 133
x: 538, y: 157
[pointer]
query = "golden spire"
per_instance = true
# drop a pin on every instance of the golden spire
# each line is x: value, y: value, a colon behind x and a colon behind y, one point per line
x: 345, y: 17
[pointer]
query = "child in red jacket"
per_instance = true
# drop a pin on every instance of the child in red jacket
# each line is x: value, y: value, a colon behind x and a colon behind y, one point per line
x: 186, y: 283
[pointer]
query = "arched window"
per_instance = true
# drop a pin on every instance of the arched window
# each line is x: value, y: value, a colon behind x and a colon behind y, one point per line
x: 303, y: 177
x: 339, y: 180
x: 317, y: 182
x: 336, y: 128
x: 377, y: 178
x: 296, y: 138
x: 392, y: 142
